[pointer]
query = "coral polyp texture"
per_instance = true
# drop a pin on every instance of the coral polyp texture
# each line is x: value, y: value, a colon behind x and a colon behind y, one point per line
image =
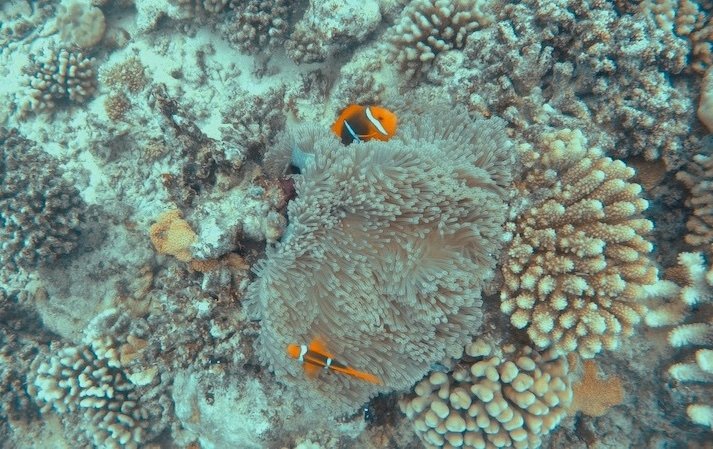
x: 40, y: 211
x: 576, y: 270
x: 58, y: 76
x: 388, y: 247
x: 431, y: 27
x: 86, y: 385
x: 690, y: 312
x: 497, y: 396
x: 698, y: 178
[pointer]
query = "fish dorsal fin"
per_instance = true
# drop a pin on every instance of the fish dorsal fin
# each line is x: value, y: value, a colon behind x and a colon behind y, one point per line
x: 317, y: 345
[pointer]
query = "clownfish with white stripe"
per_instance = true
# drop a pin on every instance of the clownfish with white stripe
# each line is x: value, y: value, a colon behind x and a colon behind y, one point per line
x: 315, y: 358
x: 358, y: 123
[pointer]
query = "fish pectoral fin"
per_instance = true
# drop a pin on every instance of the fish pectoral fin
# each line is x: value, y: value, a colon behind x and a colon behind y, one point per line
x: 311, y: 370
x: 317, y: 345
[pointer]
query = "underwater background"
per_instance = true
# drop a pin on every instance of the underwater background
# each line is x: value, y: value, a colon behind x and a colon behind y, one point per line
x: 507, y: 243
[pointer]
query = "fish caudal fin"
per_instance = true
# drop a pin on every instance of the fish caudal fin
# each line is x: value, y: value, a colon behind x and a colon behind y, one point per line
x: 365, y: 376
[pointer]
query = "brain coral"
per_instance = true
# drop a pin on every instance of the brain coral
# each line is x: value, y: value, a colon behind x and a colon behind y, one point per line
x: 497, y: 396
x: 578, y: 262
x: 40, y: 213
x: 386, y: 252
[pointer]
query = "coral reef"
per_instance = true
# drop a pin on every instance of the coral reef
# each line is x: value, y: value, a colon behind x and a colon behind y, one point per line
x: 432, y: 27
x: 257, y: 25
x: 577, y: 266
x: 57, y: 77
x: 81, y: 24
x: 386, y: 251
x: 498, y: 395
x: 691, y: 313
x: 584, y: 66
x: 330, y: 26
x: 698, y: 178
x: 40, y: 212
x: 88, y: 387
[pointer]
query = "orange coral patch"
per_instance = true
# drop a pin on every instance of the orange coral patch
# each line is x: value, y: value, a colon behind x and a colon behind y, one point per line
x: 172, y: 235
x: 593, y: 395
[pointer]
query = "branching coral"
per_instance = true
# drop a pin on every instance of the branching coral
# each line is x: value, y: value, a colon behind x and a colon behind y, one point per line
x: 498, y: 396
x: 257, y: 25
x: 578, y: 264
x: 40, y: 212
x: 330, y: 26
x: 58, y: 76
x: 698, y: 178
x: 691, y: 311
x: 386, y: 252
x: 88, y: 387
x: 172, y: 235
x: 430, y: 27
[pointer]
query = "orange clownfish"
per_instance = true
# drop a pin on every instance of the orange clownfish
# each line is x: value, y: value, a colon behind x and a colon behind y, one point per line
x: 358, y: 123
x: 315, y: 357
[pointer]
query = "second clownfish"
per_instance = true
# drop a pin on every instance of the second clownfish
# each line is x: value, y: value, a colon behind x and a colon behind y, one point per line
x: 315, y: 358
x: 358, y: 123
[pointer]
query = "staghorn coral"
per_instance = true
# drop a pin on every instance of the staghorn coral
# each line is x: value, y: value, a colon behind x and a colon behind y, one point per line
x: 40, y: 212
x: 257, y: 26
x: 81, y: 24
x: 331, y: 26
x: 577, y: 265
x: 430, y: 27
x: 387, y: 249
x: 88, y: 387
x: 57, y: 77
x: 497, y: 396
x: 698, y: 178
x: 691, y: 313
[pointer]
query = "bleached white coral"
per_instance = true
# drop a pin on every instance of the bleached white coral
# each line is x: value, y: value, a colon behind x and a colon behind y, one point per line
x: 81, y: 24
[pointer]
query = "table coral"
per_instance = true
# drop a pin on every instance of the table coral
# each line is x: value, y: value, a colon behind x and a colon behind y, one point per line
x: 387, y: 249
x: 256, y: 26
x: 577, y: 265
x: 497, y: 396
x: 40, y: 212
x: 698, y: 178
x: 88, y: 388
